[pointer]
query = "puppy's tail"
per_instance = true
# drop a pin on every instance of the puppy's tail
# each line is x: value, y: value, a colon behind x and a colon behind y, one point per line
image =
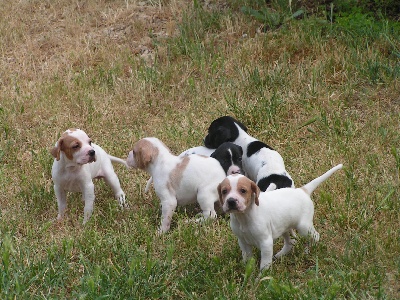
x: 148, y: 184
x: 312, y: 185
x: 118, y: 160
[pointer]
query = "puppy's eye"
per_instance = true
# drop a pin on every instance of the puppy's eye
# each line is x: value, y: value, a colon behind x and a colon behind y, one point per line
x: 224, y: 191
x: 90, y: 143
x: 75, y: 146
x: 243, y: 191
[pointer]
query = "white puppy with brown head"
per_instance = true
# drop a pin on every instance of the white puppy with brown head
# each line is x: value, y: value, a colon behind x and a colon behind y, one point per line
x: 178, y: 180
x: 77, y: 161
x: 257, y: 219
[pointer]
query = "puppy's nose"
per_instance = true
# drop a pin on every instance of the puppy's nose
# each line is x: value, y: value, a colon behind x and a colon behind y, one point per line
x: 231, y: 203
x: 238, y: 171
x: 92, y: 152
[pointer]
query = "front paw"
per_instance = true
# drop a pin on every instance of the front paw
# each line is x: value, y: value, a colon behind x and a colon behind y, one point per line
x: 121, y: 200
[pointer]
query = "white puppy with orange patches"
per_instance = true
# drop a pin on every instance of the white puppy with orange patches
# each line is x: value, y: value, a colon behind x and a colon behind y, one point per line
x: 178, y: 180
x: 257, y: 219
x: 77, y: 161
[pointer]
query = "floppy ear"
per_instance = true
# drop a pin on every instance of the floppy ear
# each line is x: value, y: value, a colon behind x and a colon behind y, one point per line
x: 220, y: 194
x: 55, y: 151
x: 240, y: 150
x: 223, y: 135
x: 144, y: 154
x: 256, y: 192
x: 143, y: 158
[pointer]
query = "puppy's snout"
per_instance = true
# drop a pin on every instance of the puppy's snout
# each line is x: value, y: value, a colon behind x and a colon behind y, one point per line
x: 232, y: 203
x: 92, y: 152
x: 235, y: 170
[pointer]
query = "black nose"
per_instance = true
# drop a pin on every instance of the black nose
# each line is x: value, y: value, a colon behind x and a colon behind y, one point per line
x: 92, y: 152
x: 231, y: 203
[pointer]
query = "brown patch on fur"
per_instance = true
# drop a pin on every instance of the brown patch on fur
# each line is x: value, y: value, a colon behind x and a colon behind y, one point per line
x: 176, y: 174
x: 144, y: 153
x: 248, y: 184
x: 225, y: 184
x: 66, y: 144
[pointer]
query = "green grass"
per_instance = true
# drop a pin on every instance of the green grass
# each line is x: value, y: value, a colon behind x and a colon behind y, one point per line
x: 319, y: 92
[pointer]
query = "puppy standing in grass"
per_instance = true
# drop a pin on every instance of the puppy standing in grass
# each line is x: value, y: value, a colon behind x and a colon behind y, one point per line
x: 259, y: 218
x: 77, y: 161
x: 178, y: 180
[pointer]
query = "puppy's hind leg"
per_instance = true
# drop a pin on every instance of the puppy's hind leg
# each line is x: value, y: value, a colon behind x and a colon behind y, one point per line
x: 206, y: 203
x: 168, y: 207
x: 287, y: 246
x: 312, y: 233
x: 309, y: 230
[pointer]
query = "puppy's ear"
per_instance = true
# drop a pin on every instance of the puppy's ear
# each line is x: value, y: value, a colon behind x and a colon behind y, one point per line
x: 55, y: 151
x: 143, y: 158
x: 223, y: 135
x: 145, y: 153
x: 240, y: 150
x: 256, y: 192
x: 220, y: 194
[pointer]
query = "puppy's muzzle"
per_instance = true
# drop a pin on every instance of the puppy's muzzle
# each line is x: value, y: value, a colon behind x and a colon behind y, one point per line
x: 238, y: 171
x: 232, y: 203
x: 235, y: 170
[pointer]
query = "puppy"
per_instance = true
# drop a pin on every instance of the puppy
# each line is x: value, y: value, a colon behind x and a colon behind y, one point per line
x: 257, y: 219
x: 178, y: 180
x: 261, y: 163
x: 77, y: 162
x: 229, y: 155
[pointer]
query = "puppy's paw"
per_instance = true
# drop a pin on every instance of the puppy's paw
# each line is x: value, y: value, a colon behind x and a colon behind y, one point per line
x: 121, y: 200
x: 161, y: 231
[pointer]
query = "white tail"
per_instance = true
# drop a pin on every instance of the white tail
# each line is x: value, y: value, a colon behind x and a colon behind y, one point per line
x: 118, y: 160
x: 312, y: 185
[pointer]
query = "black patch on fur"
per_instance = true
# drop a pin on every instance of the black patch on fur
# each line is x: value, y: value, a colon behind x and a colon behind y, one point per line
x: 225, y: 158
x: 281, y: 181
x: 222, y: 130
x: 256, y: 146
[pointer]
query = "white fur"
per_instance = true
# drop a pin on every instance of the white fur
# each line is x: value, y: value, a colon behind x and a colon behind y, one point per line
x: 261, y: 164
x: 76, y: 174
x: 200, y: 150
x: 257, y: 219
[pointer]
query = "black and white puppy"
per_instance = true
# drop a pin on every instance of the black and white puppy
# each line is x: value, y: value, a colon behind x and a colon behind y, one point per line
x: 229, y: 155
x: 261, y: 163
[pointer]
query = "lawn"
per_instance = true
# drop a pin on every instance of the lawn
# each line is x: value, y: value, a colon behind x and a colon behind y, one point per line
x: 320, y: 90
